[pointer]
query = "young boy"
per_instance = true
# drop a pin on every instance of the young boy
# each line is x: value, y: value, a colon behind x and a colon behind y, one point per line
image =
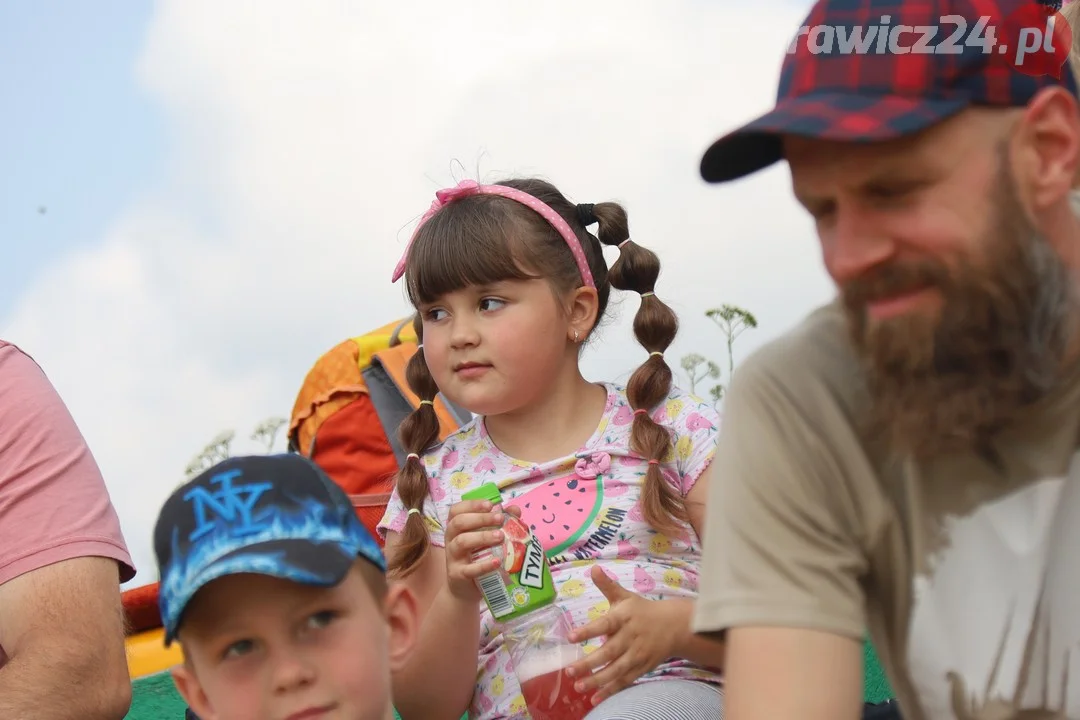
x: 278, y: 596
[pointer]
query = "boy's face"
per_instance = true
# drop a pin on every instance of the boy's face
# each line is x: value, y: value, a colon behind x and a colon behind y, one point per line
x: 260, y: 648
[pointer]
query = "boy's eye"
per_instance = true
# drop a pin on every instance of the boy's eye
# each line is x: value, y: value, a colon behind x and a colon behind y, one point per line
x: 491, y: 304
x: 895, y: 189
x: 238, y: 648
x: 322, y: 619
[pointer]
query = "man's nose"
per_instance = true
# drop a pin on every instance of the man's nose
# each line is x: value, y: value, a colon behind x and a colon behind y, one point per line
x: 855, y: 243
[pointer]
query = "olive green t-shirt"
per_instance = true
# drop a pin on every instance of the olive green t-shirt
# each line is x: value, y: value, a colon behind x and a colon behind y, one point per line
x: 965, y: 571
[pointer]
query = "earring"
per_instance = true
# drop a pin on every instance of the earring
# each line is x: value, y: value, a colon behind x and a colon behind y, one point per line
x: 576, y: 336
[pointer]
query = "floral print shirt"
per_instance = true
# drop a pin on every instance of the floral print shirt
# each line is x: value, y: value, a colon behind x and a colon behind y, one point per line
x: 584, y: 509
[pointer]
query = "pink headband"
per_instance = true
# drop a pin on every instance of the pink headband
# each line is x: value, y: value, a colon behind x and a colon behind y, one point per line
x: 465, y: 188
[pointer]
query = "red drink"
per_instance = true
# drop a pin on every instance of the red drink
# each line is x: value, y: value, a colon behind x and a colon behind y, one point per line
x: 549, y: 691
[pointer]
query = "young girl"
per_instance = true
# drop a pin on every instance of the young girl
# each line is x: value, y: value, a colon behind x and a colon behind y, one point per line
x: 508, y: 284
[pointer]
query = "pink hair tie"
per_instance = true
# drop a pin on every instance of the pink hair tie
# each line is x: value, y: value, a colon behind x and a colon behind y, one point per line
x: 465, y: 188
x: 641, y: 411
x: 654, y: 462
x: 620, y: 245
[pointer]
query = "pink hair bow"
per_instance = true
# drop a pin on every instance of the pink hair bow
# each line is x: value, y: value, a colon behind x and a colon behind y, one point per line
x: 465, y: 188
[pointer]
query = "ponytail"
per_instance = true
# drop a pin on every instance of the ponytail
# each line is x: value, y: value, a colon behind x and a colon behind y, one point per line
x: 655, y: 327
x: 417, y: 433
x: 466, y: 243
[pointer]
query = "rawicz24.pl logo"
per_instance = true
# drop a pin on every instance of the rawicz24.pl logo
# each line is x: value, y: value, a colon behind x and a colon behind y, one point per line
x: 1035, y: 39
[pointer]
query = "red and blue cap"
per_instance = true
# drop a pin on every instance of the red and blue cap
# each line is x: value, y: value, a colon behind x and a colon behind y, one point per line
x: 873, y: 70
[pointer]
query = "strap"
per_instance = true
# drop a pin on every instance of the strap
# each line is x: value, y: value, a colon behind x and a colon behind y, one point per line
x: 393, y: 361
x: 370, y: 500
x: 390, y: 406
x: 395, y: 338
x: 460, y: 414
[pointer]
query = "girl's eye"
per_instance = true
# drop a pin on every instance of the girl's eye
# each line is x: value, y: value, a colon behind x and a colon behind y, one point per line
x: 238, y: 648
x: 321, y: 619
x: 434, y: 314
x: 491, y: 304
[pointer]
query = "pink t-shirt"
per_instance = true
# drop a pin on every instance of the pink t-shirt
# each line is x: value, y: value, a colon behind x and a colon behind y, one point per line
x: 53, y: 502
x: 584, y: 509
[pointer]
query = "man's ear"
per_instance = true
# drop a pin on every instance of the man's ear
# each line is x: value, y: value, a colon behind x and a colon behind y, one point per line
x: 1046, y: 148
x: 403, y: 621
x: 189, y: 687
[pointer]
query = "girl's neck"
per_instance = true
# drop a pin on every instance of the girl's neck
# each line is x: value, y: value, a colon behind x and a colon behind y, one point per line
x: 558, y: 424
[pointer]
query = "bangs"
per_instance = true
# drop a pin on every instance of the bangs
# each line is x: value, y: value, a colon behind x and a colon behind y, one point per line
x: 473, y: 241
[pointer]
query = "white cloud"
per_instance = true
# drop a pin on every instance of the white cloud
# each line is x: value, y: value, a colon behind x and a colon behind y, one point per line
x: 305, y: 139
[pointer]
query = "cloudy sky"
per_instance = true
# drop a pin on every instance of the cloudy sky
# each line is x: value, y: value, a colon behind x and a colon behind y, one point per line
x: 199, y: 197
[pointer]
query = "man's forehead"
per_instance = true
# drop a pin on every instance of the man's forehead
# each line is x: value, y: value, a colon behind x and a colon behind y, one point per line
x: 817, y: 162
x: 974, y: 126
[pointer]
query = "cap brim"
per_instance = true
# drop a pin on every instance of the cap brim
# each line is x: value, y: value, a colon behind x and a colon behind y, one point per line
x: 825, y: 116
x: 301, y: 561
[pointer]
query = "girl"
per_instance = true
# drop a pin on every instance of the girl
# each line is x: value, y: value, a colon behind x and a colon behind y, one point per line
x: 508, y: 284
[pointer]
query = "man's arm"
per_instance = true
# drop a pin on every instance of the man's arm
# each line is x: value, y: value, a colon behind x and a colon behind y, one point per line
x: 62, y: 628
x: 786, y: 672
x: 783, y: 551
x: 62, y: 558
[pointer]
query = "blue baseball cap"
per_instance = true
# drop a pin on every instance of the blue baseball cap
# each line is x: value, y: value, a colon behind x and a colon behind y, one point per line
x: 276, y: 515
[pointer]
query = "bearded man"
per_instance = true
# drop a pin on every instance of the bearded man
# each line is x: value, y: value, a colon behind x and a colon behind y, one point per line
x: 905, y: 461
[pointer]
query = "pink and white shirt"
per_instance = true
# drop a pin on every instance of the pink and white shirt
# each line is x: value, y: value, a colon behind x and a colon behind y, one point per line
x: 584, y: 509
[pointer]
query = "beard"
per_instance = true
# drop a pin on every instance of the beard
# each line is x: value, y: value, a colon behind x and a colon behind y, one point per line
x: 950, y: 381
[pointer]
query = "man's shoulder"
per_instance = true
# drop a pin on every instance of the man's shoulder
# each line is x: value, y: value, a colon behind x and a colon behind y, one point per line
x: 9, y: 348
x: 22, y: 381
x: 794, y: 503
x: 16, y: 365
x: 47, y: 470
x: 811, y: 365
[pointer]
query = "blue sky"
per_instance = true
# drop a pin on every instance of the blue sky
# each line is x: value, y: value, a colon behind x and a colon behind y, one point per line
x: 208, y: 239
x: 76, y: 135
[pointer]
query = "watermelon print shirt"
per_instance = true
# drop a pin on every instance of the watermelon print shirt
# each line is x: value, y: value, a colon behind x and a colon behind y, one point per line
x: 584, y: 509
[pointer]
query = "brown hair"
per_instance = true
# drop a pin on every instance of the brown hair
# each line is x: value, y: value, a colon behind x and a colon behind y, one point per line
x: 484, y: 239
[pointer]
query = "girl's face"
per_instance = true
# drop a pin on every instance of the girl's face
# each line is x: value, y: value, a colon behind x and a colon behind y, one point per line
x: 498, y: 348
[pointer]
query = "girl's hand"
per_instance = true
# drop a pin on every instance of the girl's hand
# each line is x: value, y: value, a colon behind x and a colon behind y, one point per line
x: 641, y: 634
x: 472, y: 527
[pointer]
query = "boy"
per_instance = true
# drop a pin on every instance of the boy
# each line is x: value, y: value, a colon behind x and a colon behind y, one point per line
x: 279, y: 596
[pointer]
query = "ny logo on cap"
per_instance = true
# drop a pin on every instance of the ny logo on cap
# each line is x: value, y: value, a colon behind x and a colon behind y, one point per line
x: 231, y: 504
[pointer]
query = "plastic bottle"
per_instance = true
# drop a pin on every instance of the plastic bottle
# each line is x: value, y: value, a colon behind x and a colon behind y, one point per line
x: 523, y: 583
x: 521, y: 597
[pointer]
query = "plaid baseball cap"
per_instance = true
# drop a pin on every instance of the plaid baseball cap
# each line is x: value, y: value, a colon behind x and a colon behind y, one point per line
x: 277, y: 515
x: 831, y: 88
